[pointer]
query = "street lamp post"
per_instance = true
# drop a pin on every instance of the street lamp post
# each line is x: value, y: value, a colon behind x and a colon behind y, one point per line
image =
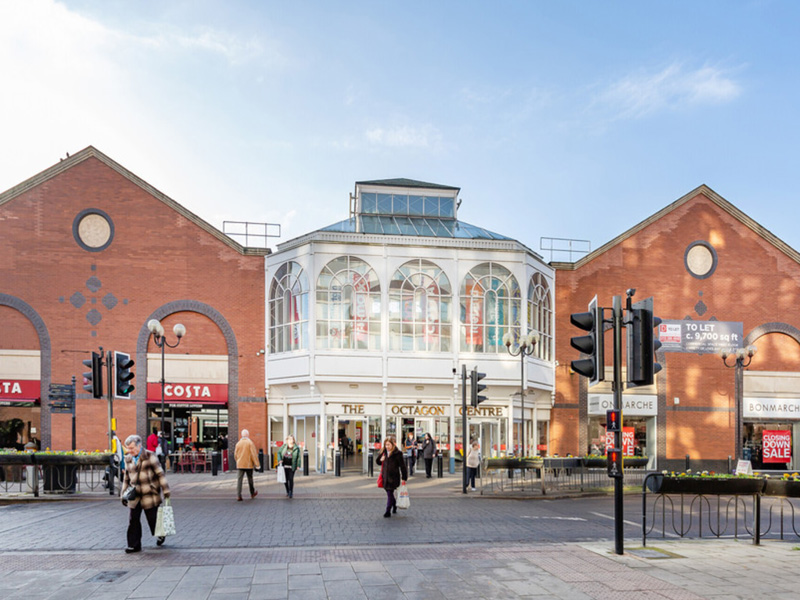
x: 157, y: 330
x: 741, y: 360
x: 525, y: 347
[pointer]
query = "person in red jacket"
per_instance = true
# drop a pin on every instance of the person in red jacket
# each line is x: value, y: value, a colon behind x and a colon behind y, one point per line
x: 152, y: 440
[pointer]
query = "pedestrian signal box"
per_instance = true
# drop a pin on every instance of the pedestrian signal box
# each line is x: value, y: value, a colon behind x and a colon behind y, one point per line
x: 614, y: 462
x: 613, y: 420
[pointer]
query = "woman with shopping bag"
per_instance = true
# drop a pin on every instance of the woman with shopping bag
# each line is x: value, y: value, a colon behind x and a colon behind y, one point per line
x: 288, y: 461
x: 393, y: 473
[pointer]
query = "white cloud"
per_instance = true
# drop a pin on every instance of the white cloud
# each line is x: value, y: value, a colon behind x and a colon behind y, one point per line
x: 404, y: 136
x: 674, y: 87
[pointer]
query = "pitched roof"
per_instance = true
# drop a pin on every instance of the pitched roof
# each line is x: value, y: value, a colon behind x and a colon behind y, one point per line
x: 92, y: 152
x: 403, y: 225
x: 409, y: 183
x: 713, y: 197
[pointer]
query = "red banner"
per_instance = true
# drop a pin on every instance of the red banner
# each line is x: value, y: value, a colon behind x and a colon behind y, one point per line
x: 360, y: 296
x: 474, y: 316
x: 189, y: 393
x: 776, y: 446
x: 26, y: 390
x: 628, y: 441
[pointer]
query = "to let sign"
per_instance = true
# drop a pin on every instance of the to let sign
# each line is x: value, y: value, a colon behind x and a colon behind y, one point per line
x: 776, y: 446
x: 700, y: 337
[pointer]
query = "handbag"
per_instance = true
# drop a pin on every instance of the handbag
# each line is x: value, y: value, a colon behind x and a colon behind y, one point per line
x: 403, y: 500
x: 281, y: 474
x: 165, y: 521
x: 129, y: 494
x: 380, y: 480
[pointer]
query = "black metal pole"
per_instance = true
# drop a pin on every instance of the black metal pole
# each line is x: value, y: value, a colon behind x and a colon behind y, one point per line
x: 163, y: 433
x: 618, y: 481
x: 464, y: 432
x: 74, y: 401
x: 522, y: 400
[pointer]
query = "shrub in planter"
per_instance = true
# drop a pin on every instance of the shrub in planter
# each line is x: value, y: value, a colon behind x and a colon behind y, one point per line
x: 705, y: 483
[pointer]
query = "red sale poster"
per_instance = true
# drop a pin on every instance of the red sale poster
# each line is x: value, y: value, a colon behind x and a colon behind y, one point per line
x: 628, y: 441
x: 776, y: 446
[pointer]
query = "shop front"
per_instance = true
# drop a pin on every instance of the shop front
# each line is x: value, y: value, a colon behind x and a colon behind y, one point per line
x: 195, y: 416
x: 639, y: 414
x: 770, y: 430
x: 20, y: 397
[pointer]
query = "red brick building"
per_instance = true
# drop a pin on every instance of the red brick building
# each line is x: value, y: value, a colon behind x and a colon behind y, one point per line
x: 716, y: 277
x: 90, y: 253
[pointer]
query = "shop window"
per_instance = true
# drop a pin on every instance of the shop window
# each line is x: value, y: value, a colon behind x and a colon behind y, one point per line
x: 420, y: 298
x: 288, y: 309
x: 348, y: 306
x: 490, y: 306
x: 540, y: 315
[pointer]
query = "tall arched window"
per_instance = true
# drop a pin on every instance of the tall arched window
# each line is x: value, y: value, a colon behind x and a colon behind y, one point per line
x: 420, y: 298
x: 288, y: 309
x: 490, y: 306
x: 348, y: 305
x: 540, y: 315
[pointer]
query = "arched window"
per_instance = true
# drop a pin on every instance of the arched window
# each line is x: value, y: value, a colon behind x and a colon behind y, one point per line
x: 288, y: 309
x: 420, y: 298
x: 490, y: 306
x: 540, y: 315
x: 348, y: 305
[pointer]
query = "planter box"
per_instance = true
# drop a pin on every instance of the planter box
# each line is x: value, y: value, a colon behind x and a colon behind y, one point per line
x: 781, y: 487
x: 514, y: 463
x: 704, y: 485
x: 595, y: 463
x: 16, y: 459
x: 634, y: 461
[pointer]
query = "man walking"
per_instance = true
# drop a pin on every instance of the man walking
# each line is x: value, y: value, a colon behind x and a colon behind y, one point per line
x: 246, y: 457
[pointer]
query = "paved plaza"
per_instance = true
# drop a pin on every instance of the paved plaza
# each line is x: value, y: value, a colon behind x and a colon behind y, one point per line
x: 331, y: 541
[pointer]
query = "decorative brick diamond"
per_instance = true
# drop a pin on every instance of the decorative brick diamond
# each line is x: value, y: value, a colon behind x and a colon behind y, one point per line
x: 93, y: 283
x: 700, y: 308
x: 77, y: 300
x: 110, y: 301
x: 94, y: 316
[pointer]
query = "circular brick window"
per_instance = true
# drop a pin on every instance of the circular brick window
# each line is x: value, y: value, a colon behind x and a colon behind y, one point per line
x: 93, y: 230
x: 700, y: 259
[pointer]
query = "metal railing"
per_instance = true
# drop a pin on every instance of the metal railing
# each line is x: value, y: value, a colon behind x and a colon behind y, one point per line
x: 55, y: 479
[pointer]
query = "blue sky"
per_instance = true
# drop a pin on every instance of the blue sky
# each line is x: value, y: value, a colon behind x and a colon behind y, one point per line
x: 558, y: 119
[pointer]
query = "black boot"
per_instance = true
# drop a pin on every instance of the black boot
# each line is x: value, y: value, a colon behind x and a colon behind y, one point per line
x: 394, y: 508
x: 387, y: 514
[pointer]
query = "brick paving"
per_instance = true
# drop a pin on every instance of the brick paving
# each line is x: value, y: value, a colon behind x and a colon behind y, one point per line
x: 330, y: 541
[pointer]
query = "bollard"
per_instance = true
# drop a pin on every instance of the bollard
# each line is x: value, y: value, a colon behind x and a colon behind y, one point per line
x: 261, y: 460
x: 370, y: 464
x: 215, y: 463
x: 687, y: 462
x: 305, y: 462
x: 112, y: 470
x: 730, y: 464
x: 439, y: 463
x: 452, y: 464
x: 337, y: 463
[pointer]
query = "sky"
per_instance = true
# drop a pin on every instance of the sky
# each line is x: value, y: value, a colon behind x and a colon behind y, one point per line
x: 563, y: 119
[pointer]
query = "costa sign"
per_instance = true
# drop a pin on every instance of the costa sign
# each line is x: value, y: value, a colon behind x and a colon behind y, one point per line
x: 196, y: 393
x: 20, y: 389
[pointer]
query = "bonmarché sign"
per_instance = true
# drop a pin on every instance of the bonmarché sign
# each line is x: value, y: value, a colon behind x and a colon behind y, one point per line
x: 700, y: 337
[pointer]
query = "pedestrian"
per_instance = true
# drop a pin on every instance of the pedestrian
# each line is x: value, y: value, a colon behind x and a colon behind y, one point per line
x: 162, y: 458
x: 428, y: 452
x: 473, y: 461
x: 246, y: 457
x: 142, y: 472
x: 152, y: 440
x: 289, y: 456
x: 410, y: 446
x: 393, y: 472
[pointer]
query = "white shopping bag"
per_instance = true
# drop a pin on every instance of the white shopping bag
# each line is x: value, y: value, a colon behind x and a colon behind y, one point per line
x: 165, y: 522
x: 402, y: 497
x: 281, y: 474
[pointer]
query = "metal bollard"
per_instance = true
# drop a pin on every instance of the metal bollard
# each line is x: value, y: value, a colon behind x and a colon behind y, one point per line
x: 261, y: 460
x: 439, y: 461
x: 337, y: 463
x: 112, y: 470
x: 687, y: 462
x: 370, y: 464
x: 730, y: 464
x: 216, y: 460
x: 305, y: 462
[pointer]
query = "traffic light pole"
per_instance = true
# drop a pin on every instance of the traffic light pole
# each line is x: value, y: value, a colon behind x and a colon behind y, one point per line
x: 616, y: 311
x: 110, y: 395
x: 464, y: 431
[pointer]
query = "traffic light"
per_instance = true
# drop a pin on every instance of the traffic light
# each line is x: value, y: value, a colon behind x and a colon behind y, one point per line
x: 614, y: 462
x: 613, y: 421
x: 642, y: 344
x: 123, y: 375
x: 93, y: 379
x: 592, y: 367
x: 476, y: 388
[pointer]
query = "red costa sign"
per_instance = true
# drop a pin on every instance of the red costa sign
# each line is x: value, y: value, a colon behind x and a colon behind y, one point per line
x: 191, y: 393
x: 776, y: 446
x: 20, y: 389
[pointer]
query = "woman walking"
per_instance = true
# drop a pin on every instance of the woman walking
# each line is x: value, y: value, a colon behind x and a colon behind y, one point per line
x: 393, y: 472
x: 473, y: 461
x: 143, y: 472
x: 428, y: 452
x: 289, y: 457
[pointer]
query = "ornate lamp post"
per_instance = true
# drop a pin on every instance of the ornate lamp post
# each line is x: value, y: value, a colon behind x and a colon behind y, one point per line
x: 525, y: 347
x: 157, y: 331
x: 741, y: 360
